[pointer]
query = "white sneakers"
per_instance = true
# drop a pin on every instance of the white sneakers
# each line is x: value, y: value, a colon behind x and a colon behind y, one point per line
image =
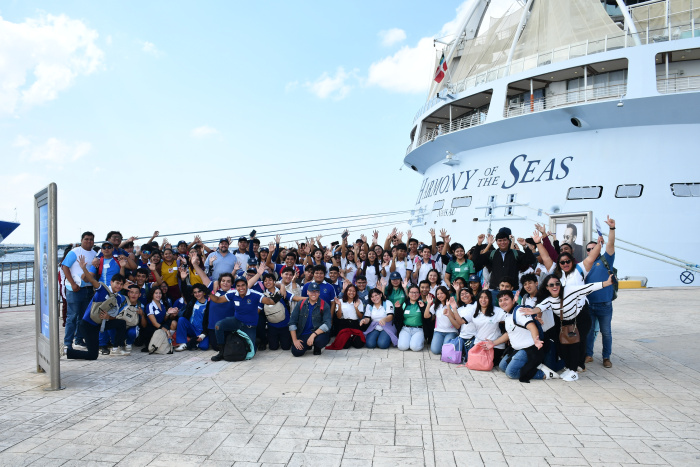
x: 569, y: 375
x: 181, y: 347
x: 548, y: 373
x: 119, y: 352
x: 128, y: 348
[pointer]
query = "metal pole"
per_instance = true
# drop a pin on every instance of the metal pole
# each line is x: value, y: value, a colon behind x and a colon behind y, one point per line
x: 585, y: 84
x: 53, y: 289
x: 518, y: 32
x: 629, y: 23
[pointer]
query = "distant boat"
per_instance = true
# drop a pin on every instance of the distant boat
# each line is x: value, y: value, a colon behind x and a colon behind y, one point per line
x: 6, y: 228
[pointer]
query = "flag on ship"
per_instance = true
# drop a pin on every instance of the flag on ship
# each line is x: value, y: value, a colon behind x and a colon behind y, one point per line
x: 441, y: 69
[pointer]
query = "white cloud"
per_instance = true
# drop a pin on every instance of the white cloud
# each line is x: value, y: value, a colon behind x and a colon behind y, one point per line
x: 203, y: 131
x: 53, y: 151
x: 333, y: 87
x: 54, y: 49
x: 151, y: 49
x: 392, y: 36
x: 409, y: 69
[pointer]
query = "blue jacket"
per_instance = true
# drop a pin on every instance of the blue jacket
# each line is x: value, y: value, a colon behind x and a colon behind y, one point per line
x: 320, y: 317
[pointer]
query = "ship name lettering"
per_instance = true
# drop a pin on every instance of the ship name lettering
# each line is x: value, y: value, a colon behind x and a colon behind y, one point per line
x: 528, y: 175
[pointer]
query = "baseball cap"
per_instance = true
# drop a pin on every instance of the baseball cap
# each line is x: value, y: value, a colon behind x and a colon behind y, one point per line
x: 242, y: 239
x: 473, y: 278
x: 223, y: 240
x: 181, y: 242
x: 313, y: 287
x: 394, y: 275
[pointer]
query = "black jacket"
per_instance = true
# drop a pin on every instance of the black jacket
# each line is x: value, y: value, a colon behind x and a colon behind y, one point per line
x: 514, y: 262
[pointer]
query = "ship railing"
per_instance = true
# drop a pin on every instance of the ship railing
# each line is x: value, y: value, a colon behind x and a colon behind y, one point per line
x: 409, y: 148
x: 677, y: 84
x: 455, y: 125
x: 616, y: 91
x: 681, y: 30
x: 16, y: 283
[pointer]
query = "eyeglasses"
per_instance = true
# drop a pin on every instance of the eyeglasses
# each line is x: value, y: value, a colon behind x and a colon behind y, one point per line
x: 108, y: 247
x: 145, y: 252
x: 554, y: 284
x: 566, y: 261
x: 589, y: 249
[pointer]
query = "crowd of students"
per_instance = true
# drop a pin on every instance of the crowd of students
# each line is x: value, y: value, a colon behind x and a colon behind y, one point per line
x: 517, y: 297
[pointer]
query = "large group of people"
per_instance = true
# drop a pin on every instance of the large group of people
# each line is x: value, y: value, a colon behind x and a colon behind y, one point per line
x: 526, y: 300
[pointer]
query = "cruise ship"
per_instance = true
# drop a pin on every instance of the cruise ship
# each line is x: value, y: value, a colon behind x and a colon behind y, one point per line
x: 562, y: 112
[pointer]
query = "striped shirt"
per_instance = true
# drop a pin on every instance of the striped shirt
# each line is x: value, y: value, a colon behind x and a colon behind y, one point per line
x: 572, y: 305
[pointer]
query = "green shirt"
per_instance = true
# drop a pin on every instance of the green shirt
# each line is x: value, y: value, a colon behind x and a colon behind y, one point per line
x: 397, y: 295
x: 412, y: 316
x: 463, y: 270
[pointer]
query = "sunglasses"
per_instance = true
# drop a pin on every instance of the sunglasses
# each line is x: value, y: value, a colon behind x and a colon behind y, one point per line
x: 110, y: 247
x: 145, y: 252
x: 567, y: 261
x: 589, y: 249
x: 556, y: 284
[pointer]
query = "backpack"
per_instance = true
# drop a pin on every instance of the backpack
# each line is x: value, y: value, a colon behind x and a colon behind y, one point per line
x: 129, y: 314
x: 236, y: 347
x: 160, y: 343
x: 110, y: 305
x: 274, y: 313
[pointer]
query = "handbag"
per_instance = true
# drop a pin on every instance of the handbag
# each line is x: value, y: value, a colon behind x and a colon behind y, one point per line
x: 568, y: 334
x: 130, y: 315
x: 452, y: 351
x: 480, y: 358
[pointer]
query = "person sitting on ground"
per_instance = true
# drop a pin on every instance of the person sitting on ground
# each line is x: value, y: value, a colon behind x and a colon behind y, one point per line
x: 525, y: 360
x: 444, y: 330
x: 378, y: 316
x: 409, y: 322
x: 348, y: 309
x: 89, y: 329
x: 193, y: 321
x: 310, y: 323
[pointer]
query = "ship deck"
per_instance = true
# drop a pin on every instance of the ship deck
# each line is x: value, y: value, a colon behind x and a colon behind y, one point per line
x: 362, y: 407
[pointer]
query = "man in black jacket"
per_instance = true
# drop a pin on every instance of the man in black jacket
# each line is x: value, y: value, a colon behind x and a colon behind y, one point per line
x: 504, y: 261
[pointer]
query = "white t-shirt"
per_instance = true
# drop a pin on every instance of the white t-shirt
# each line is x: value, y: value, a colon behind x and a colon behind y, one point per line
x: 468, y: 329
x: 426, y: 267
x: 349, y: 311
x: 547, y: 315
x: 402, y: 267
x: 379, y: 313
x: 520, y: 338
x: 574, y: 278
x: 350, y: 267
x: 487, y: 326
x: 372, y: 276
x: 442, y: 322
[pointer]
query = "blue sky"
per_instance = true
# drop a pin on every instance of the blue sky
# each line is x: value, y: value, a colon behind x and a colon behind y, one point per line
x: 177, y: 117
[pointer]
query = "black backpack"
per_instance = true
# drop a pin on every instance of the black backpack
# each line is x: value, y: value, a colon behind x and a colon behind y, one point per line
x: 236, y: 348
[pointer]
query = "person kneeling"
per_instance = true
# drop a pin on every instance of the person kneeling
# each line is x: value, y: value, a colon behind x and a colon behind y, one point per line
x: 310, y: 323
x: 525, y: 360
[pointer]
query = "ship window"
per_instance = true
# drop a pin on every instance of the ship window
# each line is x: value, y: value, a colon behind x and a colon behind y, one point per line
x: 585, y: 192
x: 511, y: 198
x: 629, y: 191
x: 463, y: 202
x: 509, y: 211
x: 685, y: 190
x: 492, y: 199
x: 438, y: 205
x: 489, y: 211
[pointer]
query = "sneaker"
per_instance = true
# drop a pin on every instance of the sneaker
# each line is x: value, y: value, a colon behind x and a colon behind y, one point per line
x: 589, y: 359
x: 548, y: 373
x: 128, y: 348
x: 120, y: 352
x: 317, y: 351
x: 104, y: 350
x: 79, y: 346
x: 181, y: 347
x: 570, y: 376
x: 218, y: 357
x: 607, y: 363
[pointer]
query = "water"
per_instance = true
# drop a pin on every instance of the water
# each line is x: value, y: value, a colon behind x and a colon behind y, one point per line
x: 17, y: 278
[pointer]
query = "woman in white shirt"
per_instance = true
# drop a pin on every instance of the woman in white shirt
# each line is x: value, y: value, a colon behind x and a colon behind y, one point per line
x: 565, y: 307
x: 486, y: 319
x: 379, y: 314
x: 444, y: 330
x: 348, y: 309
x: 435, y: 280
x: 371, y: 269
x: 464, y: 305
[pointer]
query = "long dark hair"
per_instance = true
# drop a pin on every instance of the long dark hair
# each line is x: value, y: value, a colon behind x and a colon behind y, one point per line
x: 489, y: 307
x: 460, y: 303
x: 439, y: 277
x: 544, y: 292
x: 444, y: 290
x: 374, y: 291
x: 345, y: 293
x: 376, y: 264
x: 557, y: 271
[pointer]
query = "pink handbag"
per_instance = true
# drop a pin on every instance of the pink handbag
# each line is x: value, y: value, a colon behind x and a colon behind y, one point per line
x: 479, y: 358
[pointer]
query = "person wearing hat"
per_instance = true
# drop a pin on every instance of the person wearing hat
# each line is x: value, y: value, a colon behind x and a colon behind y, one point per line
x: 310, y: 322
x: 474, y: 284
x: 504, y: 261
x: 221, y: 261
x: 247, y: 305
x: 327, y: 291
x: 242, y: 255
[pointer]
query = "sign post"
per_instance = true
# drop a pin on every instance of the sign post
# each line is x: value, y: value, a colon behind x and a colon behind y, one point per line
x: 46, y: 285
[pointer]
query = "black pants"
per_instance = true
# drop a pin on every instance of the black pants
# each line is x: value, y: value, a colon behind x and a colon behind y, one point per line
x: 320, y: 341
x: 584, y: 323
x: 278, y: 337
x: 261, y: 332
x: 91, y: 334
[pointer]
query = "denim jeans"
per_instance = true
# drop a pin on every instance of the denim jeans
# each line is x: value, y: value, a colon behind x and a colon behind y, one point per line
x: 378, y: 339
x: 278, y: 337
x: 439, y: 338
x: 110, y: 335
x: 91, y: 334
x: 602, y: 314
x: 411, y: 338
x: 77, y: 305
x: 185, y: 330
x: 512, y: 365
x: 233, y: 324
